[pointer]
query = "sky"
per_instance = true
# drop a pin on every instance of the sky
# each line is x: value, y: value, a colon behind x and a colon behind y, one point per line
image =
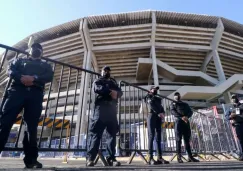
x: 21, y: 18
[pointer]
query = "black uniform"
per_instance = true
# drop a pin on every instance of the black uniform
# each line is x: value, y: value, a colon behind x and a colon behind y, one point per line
x: 104, y: 117
x: 237, y: 122
x: 180, y: 109
x: 19, y: 97
x: 154, y: 122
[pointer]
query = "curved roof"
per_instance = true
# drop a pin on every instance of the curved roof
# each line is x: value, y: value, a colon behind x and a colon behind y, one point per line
x: 133, y: 18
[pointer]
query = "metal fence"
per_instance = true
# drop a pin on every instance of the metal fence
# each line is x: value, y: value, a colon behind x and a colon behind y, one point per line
x: 68, y: 105
x: 211, y: 134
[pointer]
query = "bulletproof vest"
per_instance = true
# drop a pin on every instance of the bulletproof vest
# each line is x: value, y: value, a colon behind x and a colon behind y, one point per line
x: 181, y: 108
x: 111, y: 84
x: 154, y: 102
x: 32, y: 67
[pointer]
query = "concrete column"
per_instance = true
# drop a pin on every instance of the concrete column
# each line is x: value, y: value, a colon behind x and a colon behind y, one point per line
x: 155, y: 69
x: 152, y: 50
x: 218, y: 66
x: 86, y: 95
x: 80, y: 99
x: 214, y: 44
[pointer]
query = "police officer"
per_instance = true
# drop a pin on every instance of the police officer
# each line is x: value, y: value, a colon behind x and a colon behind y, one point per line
x: 182, y: 112
x: 235, y: 114
x: 29, y: 76
x: 104, y: 117
x: 154, y: 123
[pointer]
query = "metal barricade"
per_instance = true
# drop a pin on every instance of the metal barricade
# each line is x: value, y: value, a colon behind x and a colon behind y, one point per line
x: 133, y: 138
x: 67, y: 106
x: 69, y: 103
x: 212, y: 134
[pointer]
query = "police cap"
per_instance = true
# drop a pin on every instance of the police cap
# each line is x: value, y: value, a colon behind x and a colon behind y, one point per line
x: 154, y: 87
x: 36, y: 45
x: 177, y: 94
x: 106, y: 68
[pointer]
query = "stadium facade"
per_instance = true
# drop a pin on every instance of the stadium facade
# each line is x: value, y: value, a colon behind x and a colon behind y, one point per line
x: 198, y: 55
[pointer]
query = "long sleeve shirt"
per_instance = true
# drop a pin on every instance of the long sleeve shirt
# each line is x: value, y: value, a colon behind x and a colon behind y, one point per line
x: 154, y: 103
x: 180, y: 109
x: 42, y: 71
x: 102, y: 87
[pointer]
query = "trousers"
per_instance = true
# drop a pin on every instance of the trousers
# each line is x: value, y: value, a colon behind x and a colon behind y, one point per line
x: 17, y: 99
x: 104, y: 118
x: 154, y: 131
x: 183, y: 129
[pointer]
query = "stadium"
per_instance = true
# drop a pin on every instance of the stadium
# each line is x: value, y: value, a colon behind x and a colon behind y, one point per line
x: 199, y: 56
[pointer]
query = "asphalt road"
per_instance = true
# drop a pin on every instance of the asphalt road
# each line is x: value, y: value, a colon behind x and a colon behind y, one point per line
x: 79, y: 165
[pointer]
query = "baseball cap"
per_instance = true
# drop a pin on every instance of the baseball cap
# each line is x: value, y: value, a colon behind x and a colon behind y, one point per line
x: 36, y: 45
x: 154, y: 87
x: 106, y: 68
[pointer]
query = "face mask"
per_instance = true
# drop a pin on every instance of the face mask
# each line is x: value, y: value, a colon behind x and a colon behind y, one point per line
x: 177, y: 98
x: 105, y: 74
x: 235, y: 101
x: 155, y: 92
x: 36, y: 53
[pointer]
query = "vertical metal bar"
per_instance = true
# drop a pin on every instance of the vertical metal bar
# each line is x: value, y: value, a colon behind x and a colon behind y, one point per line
x: 73, y: 110
x: 90, y: 92
x: 20, y: 128
x: 198, y: 138
x: 65, y: 105
x: 3, y: 60
x: 119, y: 114
x: 47, y: 104
x: 170, y: 130
x: 143, y: 123
x: 81, y: 110
x: 125, y: 115
x: 129, y: 117
x: 139, y: 131
x: 55, y: 113
x: 202, y: 132
x: 227, y: 136
x: 134, y: 121
x: 220, y: 145
x: 210, y: 133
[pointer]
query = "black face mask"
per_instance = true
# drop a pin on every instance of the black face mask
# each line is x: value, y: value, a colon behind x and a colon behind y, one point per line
x: 36, y: 53
x: 106, y: 75
x: 235, y: 101
x: 155, y: 92
x: 177, y: 98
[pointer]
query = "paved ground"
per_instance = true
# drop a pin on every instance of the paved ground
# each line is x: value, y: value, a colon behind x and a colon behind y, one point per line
x: 79, y: 165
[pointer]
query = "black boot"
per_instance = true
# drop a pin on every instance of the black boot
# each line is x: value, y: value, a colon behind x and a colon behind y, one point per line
x: 179, y: 158
x: 152, y: 161
x: 192, y: 159
x: 162, y: 161
x: 90, y: 163
x: 112, y: 161
x: 33, y: 164
x: 240, y: 158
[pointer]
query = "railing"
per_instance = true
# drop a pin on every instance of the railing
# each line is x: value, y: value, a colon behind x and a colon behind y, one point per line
x: 68, y: 105
x: 210, y: 134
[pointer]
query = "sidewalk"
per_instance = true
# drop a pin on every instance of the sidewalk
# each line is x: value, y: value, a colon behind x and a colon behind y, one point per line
x: 79, y: 165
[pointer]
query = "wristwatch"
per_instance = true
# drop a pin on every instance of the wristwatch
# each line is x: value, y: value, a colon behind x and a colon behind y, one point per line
x: 36, y: 77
